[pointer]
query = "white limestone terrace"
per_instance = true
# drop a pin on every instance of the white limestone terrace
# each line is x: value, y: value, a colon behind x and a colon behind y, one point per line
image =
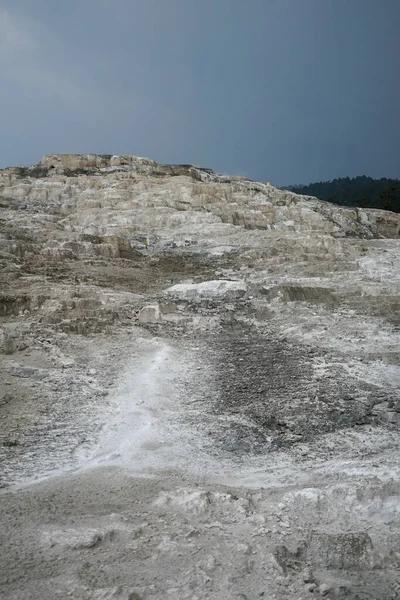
x: 167, y: 332
x: 107, y: 195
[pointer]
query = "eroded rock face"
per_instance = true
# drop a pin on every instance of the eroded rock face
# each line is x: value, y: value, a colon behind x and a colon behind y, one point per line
x: 104, y: 194
x: 237, y: 342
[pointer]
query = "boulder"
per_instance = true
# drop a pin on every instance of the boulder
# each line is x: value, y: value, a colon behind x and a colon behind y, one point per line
x: 218, y: 289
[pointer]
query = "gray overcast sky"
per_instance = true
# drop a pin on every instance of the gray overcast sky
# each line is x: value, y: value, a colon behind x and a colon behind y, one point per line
x: 288, y: 91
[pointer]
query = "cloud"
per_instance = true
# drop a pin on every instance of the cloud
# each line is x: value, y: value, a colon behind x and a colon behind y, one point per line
x: 14, y: 39
x: 31, y: 58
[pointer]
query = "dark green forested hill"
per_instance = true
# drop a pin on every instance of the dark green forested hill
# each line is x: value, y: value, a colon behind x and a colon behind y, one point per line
x: 356, y: 191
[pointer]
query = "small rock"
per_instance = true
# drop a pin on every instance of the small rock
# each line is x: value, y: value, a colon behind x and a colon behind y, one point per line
x: 308, y: 576
x: 5, y: 399
x: 324, y: 589
x: 11, y: 442
x: 149, y: 314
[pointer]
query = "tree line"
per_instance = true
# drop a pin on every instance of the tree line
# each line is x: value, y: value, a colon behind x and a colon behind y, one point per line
x: 362, y: 191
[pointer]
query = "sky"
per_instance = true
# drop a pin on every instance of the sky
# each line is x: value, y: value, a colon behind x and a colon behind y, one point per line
x: 286, y: 91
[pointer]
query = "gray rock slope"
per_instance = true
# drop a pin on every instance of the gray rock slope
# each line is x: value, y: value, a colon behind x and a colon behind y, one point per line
x: 199, y: 387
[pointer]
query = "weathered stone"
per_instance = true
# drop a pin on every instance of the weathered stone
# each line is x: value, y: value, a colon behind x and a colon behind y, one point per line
x: 341, y: 550
x: 149, y: 314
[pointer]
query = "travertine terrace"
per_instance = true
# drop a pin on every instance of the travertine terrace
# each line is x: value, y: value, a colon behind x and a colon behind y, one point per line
x: 199, y: 387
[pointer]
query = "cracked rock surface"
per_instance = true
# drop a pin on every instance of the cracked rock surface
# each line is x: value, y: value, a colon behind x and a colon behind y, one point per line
x: 199, y: 387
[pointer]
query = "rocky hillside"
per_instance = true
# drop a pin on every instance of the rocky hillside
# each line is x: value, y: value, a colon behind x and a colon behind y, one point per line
x: 223, y: 351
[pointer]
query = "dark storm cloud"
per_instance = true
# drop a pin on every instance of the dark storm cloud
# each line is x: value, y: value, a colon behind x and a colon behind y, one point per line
x: 282, y: 90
